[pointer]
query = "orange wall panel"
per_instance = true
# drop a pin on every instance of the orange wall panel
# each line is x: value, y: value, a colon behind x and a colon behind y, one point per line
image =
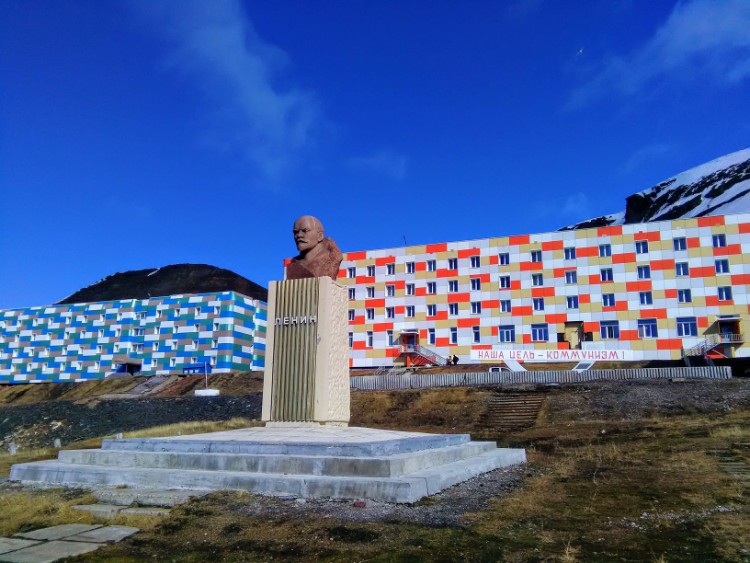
x: 624, y: 258
x: 667, y: 264
x: 651, y: 237
x: 459, y: 298
x: 714, y: 221
x: 355, y: 255
x: 728, y: 250
x: 613, y: 231
x: 433, y: 248
x: 669, y: 344
x: 468, y: 322
x: 653, y: 313
x: 468, y: 252
x: 542, y: 291
x: 385, y: 260
x: 552, y: 245
x: 519, y: 239
x: 587, y: 251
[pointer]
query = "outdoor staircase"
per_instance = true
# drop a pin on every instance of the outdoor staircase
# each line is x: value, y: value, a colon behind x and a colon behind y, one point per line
x: 708, y: 349
x: 421, y: 356
x: 513, y: 411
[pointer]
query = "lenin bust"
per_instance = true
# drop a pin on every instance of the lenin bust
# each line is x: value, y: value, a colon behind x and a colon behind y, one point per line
x: 318, y: 255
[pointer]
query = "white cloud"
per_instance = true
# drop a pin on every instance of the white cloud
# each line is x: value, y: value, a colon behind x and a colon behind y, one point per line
x: 701, y: 38
x: 576, y: 205
x: 216, y: 45
x: 646, y: 154
x: 384, y: 162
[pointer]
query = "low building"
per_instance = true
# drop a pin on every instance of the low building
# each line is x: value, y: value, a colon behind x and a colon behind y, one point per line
x: 652, y: 291
x: 153, y: 336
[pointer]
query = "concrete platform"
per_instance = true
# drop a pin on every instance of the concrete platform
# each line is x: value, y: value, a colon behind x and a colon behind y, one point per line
x: 383, y: 465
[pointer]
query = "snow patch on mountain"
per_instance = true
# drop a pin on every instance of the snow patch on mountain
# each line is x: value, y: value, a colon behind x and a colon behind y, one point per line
x: 718, y: 187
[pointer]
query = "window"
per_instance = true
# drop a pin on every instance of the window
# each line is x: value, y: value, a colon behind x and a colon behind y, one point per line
x: 195, y: 344
x: 538, y: 303
x: 351, y: 314
x: 351, y: 272
x: 722, y: 266
x: 606, y: 274
x: 155, y: 346
x: 605, y: 250
x: 389, y: 336
x: 476, y: 307
x: 646, y: 298
x: 370, y: 292
x: 453, y: 286
x: 536, y: 255
x: 214, y: 343
x: 476, y: 334
x: 539, y: 333
x: 453, y: 263
x: 431, y: 288
x: 390, y: 269
x: 679, y: 243
x: 641, y: 247
x: 725, y: 293
x: 681, y: 269
x: 370, y: 271
x: 142, y: 316
x: 370, y: 314
x: 644, y: 272
x: 431, y: 310
x: 686, y: 326
x: 504, y: 282
x: 390, y: 290
x: 410, y: 311
x: 572, y: 302
x: 172, y: 362
x: 476, y: 284
x: 352, y: 293
x: 505, y: 306
x: 537, y: 279
x: 454, y: 335
x: 475, y: 261
x: 369, y: 339
x: 570, y: 253
x: 719, y: 241
x: 431, y: 335
x: 503, y: 258
x: 453, y: 308
x: 410, y: 289
x: 351, y: 339
x: 684, y: 296
x: 410, y: 268
x: 506, y: 333
x: 571, y: 276
x: 610, y: 330
x: 139, y: 347
x: 390, y: 312
x: 431, y: 265
x: 647, y: 328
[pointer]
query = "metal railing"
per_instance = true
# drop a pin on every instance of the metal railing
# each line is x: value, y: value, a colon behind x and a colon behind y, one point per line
x: 470, y: 379
x: 426, y: 353
x: 712, y: 342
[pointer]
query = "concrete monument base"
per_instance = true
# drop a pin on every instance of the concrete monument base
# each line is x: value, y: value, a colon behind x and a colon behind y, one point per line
x: 311, y: 462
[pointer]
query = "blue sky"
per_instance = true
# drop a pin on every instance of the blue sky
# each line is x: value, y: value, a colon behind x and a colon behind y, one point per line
x: 136, y: 134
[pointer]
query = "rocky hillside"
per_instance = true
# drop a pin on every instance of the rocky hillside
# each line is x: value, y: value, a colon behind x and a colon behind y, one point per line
x: 719, y: 187
x: 169, y: 280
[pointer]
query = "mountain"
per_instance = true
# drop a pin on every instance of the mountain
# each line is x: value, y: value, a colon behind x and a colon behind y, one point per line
x: 169, y: 280
x: 719, y: 187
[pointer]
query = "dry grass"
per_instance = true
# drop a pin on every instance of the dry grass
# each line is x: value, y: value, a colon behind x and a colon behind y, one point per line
x: 24, y: 511
x: 440, y: 410
x: 179, y: 429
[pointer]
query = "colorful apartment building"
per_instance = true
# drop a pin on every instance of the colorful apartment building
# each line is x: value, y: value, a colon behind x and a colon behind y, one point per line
x: 652, y: 291
x: 160, y: 335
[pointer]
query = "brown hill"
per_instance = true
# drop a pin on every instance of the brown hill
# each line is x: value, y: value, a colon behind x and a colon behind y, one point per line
x: 169, y: 280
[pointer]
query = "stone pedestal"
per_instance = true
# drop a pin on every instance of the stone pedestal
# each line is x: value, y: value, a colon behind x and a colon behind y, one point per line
x: 306, y: 381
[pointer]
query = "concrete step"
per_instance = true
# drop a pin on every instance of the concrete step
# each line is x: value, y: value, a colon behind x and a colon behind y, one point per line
x: 405, y: 489
x: 144, y: 497
x: 389, y: 466
x: 216, y: 444
x: 381, y: 466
